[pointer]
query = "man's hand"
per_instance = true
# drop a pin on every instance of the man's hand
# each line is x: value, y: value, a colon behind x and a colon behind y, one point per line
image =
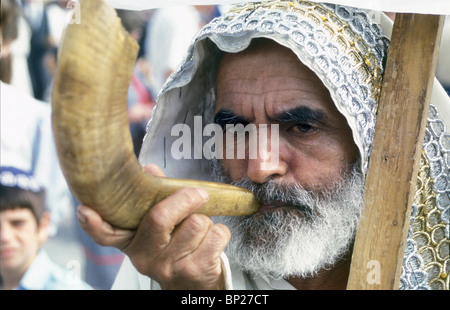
x: 172, y: 245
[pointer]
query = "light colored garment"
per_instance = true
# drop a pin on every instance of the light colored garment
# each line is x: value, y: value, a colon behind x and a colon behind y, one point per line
x: 20, y: 50
x: 170, y: 33
x: 43, y: 274
x: 129, y: 279
x: 443, y: 66
x: 27, y: 144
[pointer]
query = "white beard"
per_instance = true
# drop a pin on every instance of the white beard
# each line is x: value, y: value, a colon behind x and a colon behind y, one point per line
x: 300, y: 241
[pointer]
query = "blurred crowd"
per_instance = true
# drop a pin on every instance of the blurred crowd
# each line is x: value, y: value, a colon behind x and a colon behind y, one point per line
x: 31, y: 36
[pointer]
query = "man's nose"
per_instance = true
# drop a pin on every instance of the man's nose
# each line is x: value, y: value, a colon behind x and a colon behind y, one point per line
x: 5, y: 232
x: 267, y: 163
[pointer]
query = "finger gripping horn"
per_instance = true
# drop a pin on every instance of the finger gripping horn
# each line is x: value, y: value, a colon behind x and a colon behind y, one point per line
x: 92, y: 136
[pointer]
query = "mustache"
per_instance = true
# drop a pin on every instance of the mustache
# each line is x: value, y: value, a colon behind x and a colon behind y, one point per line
x: 278, y: 194
x: 305, y: 200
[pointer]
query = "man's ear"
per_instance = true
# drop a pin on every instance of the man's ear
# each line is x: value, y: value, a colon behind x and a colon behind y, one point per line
x: 43, y: 226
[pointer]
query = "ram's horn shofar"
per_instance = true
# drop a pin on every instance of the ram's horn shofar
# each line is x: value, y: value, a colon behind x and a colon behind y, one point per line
x: 91, y: 130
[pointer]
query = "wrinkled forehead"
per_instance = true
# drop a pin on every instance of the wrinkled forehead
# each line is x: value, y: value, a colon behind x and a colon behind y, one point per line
x: 269, y: 76
x: 341, y: 45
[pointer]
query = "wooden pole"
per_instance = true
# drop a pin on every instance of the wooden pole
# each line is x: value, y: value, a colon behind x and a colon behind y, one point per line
x: 399, y: 132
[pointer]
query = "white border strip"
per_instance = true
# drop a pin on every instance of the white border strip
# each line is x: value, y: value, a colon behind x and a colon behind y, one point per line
x: 441, y: 7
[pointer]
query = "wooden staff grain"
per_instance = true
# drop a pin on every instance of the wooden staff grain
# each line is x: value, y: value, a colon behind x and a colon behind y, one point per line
x: 399, y: 132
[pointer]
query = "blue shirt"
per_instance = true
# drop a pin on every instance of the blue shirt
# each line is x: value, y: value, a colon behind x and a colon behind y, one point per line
x: 43, y: 274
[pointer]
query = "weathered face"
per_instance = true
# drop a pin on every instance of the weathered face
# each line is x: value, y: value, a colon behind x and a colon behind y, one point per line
x: 267, y: 84
x: 311, y: 196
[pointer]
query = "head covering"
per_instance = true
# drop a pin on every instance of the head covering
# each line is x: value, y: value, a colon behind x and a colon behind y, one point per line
x: 341, y: 45
x: 347, y: 51
x: 20, y: 189
x: 17, y: 178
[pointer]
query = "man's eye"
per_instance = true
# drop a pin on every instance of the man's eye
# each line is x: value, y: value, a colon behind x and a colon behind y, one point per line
x: 304, y: 128
x: 18, y: 223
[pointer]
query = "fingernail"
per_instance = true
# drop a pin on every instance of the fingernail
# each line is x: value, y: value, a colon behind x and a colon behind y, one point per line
x: 203, y: 193
x: 81, y: 217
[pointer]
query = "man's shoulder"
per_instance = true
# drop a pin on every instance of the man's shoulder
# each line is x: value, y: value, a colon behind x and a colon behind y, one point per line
x: 63, y: 279
x: 44, y: 274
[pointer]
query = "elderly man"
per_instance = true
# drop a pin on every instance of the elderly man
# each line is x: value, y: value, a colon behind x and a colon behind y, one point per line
x: 311, y: 73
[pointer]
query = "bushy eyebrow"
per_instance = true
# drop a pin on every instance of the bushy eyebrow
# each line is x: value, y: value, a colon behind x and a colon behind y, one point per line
x: 225, y: 117
x: 301, y: 114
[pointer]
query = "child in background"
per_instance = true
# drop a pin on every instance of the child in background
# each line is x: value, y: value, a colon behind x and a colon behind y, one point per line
x: 24, y: 226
